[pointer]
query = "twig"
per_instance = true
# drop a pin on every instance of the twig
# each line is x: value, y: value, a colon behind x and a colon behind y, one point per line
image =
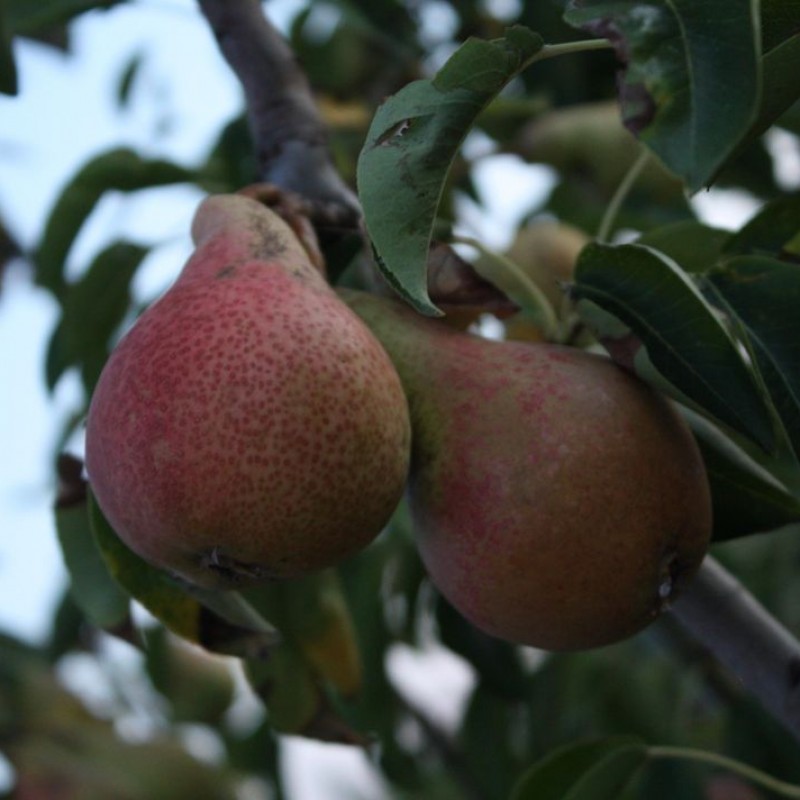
x: 722, y: 615
x: 290, y: 138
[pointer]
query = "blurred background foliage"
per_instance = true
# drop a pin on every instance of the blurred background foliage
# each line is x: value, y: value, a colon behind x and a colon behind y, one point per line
x: 330, y: 678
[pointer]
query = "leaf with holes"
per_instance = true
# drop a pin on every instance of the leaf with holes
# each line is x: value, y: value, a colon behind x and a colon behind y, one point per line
x: 410, y: 145
x: 675, y: 89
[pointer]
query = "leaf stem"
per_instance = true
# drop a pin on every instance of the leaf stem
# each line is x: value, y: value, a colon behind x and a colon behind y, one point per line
x: 537, y: 300
x: 567, y: 48
x: 622, y: 191
x: 750, y: 773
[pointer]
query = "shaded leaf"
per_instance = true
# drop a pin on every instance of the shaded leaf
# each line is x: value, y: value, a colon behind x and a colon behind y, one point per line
x: 28, y: 18
x: 780, y: 42
x: 746, y: 497
x: 318, y: 652
x: 221, y: 622
x: 676, y: 56
x: 126, y: 81
x: 93, y: 589
x: 8, y: 66
x: 764, y: 295
x: 769, y: 232
x: 675, y: 328
x: 410, y: 145
x: 295, y: 699
x: 121, y: 170
x: 592, y: 770
x: 92, y: 310
x: 95, y: 592
x: 696, y: 247
x: 198, y: 686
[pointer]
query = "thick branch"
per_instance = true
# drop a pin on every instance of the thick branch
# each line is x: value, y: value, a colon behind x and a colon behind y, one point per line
x: 723, y: 616
x: 289, y: 135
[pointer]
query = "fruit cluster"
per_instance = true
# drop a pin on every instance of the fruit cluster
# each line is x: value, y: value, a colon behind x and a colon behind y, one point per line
x: 255, y: 424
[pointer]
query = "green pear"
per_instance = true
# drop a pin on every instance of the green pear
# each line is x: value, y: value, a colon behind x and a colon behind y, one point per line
x: 557, y: 500
x: 248, y: 426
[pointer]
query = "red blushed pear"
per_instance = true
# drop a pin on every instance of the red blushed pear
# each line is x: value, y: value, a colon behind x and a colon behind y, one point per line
x: 557, y: 500
x: 249, y: 426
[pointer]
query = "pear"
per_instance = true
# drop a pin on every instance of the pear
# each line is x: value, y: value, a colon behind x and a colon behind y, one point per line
x: 557, y: 501
x: 248, y: 426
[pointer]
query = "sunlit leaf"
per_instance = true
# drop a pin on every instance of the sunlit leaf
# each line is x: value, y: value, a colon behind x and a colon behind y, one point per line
x: 411, y: 143
x: 665, y: 318
x: 676, y: 91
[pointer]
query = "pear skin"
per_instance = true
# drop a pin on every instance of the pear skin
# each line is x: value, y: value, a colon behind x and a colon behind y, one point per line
x: 248, y: 426
x: 557, y: 500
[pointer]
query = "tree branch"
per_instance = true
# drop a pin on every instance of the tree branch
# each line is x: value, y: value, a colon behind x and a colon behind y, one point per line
x: 290, y: 138
x: 722, y: 615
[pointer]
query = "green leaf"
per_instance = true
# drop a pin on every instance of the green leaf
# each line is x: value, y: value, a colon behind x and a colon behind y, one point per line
x: 780, y: 42
x: 92, y: 310
x: 222, y: 622
x: 121, y: 170
x: 8, y: 66
x: 128, y: 78
x: 764, y: 296
x: 746, y: 497
x: 93, y: 589
x: 410, y: 145
x: 676, y: 90
x: 675, y: 328
x: 769, y: 232
x: 696, y: 247
x: 590, y: 770
x: 26, y: 18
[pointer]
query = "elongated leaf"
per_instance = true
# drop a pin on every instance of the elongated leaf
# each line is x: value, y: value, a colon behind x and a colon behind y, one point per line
x: 695, y: 247
x: 780, y: 41
x: 92, y: 310
x: 589, y: 770
x: 121, y: 170
x: 411, y: 143
x: 27, y: 18
x: 8, y: 66
x: 746, y: 498
x: 678, y: 58
x: 769, y: 231
x: 312, y: 613
x: 95, y: 592
x: 764, y: 294
x: 221, y: 622
x: 681, y: 334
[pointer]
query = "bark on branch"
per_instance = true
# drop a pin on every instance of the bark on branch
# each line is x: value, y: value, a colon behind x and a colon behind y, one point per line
x: 743, y: 636
x: 290, y: 137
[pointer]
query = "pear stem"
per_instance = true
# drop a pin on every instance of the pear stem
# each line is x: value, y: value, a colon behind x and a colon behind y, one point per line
x: 290, y: 137
x: 722, y: 615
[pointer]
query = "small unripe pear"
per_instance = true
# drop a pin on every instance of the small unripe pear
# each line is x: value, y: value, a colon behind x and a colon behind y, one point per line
x: 557, y: 500
x: 248, y: 426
